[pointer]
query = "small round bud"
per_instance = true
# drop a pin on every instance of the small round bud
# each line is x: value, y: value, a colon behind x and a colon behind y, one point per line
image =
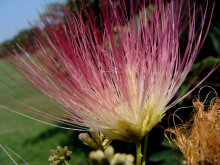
x: 100, y: 155
x: 118, y: 159
x: 96, y: 155
x: 109, y: 152
x: 84, y: 137
x: 129, y: 160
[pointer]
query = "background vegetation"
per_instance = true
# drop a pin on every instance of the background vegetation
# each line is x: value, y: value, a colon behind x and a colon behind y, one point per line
x: 33, y: 140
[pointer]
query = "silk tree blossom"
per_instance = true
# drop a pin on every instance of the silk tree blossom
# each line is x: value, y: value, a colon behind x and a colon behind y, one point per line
x: 116, y: 73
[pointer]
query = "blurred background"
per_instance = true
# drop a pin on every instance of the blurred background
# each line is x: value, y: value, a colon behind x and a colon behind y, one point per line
x: 32, y: 140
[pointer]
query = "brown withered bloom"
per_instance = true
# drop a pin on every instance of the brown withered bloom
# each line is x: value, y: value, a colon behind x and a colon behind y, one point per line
x: 199, y: 139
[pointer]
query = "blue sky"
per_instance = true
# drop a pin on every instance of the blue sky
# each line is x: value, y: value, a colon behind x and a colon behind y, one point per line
x: 15, y: 14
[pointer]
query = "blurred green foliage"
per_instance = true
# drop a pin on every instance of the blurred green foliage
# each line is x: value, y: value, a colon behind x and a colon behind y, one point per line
x: 166, y: 156
x: 214, y: 34
x: 31, y: 140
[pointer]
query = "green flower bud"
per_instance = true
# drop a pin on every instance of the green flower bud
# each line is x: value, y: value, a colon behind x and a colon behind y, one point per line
x: 60, y: 156
x: 96, y: 140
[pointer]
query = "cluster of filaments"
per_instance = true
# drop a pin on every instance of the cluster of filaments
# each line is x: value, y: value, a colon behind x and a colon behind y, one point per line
x: 117, y: 73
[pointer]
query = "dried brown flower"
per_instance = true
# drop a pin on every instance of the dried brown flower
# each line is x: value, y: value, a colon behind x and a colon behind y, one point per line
x: 199, y: 139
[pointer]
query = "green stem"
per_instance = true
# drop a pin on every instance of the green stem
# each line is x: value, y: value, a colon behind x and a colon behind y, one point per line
x: 145, y: 149
x: 138, y: 152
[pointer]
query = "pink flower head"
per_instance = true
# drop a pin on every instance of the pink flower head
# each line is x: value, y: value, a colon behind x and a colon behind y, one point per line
x: 115, y: 73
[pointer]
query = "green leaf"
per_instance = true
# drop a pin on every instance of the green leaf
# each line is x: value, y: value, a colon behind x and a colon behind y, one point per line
x: 214, y: 34
x: 166, y: 144
x: 161, y: 156
x: 166, y: 157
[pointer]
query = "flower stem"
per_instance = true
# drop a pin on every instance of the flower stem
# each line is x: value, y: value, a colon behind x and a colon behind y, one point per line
x: 138, y: 152
x: 145, y: 149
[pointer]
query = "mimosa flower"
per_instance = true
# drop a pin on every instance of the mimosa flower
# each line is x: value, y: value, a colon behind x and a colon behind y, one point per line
x: 118, y: 73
